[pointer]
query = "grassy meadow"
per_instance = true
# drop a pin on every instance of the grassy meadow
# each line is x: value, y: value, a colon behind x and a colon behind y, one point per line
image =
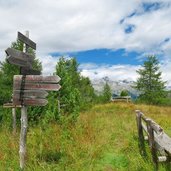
x: 103, y: 139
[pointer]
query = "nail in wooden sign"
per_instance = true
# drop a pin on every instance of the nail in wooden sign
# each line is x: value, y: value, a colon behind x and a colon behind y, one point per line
x: 26, y: 40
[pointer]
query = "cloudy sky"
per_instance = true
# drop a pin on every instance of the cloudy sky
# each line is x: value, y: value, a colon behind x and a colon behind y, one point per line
x: 108, y: 37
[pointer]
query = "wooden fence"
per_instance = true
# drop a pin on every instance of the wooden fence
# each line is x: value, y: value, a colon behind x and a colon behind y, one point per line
x: 158, y: 140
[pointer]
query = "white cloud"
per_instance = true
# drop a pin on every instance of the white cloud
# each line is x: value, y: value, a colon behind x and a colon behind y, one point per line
x: 114, y: 72
x: 75, y: 25
x: 49, y: 64
x: 121, y: 72
x: 166, y: 74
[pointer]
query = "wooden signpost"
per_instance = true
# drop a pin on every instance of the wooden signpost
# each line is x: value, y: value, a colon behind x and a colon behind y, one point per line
x: 29, y: 88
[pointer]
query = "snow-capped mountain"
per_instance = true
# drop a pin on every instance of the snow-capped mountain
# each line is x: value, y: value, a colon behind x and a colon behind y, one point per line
x: 116, y: 85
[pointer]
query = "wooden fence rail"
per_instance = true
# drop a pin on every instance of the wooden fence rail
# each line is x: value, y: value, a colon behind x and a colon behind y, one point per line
x: 158, y: 140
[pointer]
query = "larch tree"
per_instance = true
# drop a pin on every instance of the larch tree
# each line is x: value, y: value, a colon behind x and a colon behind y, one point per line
x: 149, y: 83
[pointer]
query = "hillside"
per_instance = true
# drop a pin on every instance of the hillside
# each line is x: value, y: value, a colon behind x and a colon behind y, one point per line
x: 104, y: 138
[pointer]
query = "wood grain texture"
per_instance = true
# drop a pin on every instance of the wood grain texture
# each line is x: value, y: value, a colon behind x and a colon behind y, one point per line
x: 31, y: 102
x: 30, y: 93
x: 37, y: 86
x: 23, y: 136
x: 37, y: 79
x: 158, y: 139
x: 19, y: 54
x: 19, y: 58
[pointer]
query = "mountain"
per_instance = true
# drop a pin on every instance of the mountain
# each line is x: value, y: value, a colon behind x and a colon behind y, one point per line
x: 116, y: 86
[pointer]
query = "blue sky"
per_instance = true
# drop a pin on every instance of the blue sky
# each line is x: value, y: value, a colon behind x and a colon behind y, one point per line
x: 107, y: 37
x: 104, y: 56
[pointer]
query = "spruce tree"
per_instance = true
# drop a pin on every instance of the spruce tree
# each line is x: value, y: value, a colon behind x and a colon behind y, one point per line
x: 150, y: 84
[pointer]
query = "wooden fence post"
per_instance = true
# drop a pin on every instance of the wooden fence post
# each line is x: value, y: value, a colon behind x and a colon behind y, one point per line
x: 152, y: 143
x: 140, y: 133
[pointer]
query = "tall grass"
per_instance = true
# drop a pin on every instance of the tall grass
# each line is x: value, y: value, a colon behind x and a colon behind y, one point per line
x: 103, y: 138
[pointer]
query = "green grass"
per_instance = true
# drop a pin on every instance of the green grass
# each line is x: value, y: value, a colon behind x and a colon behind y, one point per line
x: 103, y: 139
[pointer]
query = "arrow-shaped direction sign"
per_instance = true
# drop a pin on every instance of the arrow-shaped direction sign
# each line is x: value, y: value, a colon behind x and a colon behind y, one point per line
x: 37, y: 79
x: 37, y: 86
x: 19, y: 58
x: 26, y: 40
x: 30, y: 102
x: 33, y: 94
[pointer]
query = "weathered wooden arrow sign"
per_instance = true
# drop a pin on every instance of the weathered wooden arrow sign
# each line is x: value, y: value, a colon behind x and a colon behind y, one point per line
x: 37, y: 86
x: 26, y: 40
x: 30, y: 94
x: 30, y: 102
x: 19, y: 58
x: 38, y: 79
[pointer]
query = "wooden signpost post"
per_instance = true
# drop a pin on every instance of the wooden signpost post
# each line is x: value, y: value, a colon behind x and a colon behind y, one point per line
x: 29, y: 88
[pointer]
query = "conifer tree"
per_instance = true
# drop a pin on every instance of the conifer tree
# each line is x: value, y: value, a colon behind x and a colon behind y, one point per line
x: 76, y: 91
x: 149, y: 83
